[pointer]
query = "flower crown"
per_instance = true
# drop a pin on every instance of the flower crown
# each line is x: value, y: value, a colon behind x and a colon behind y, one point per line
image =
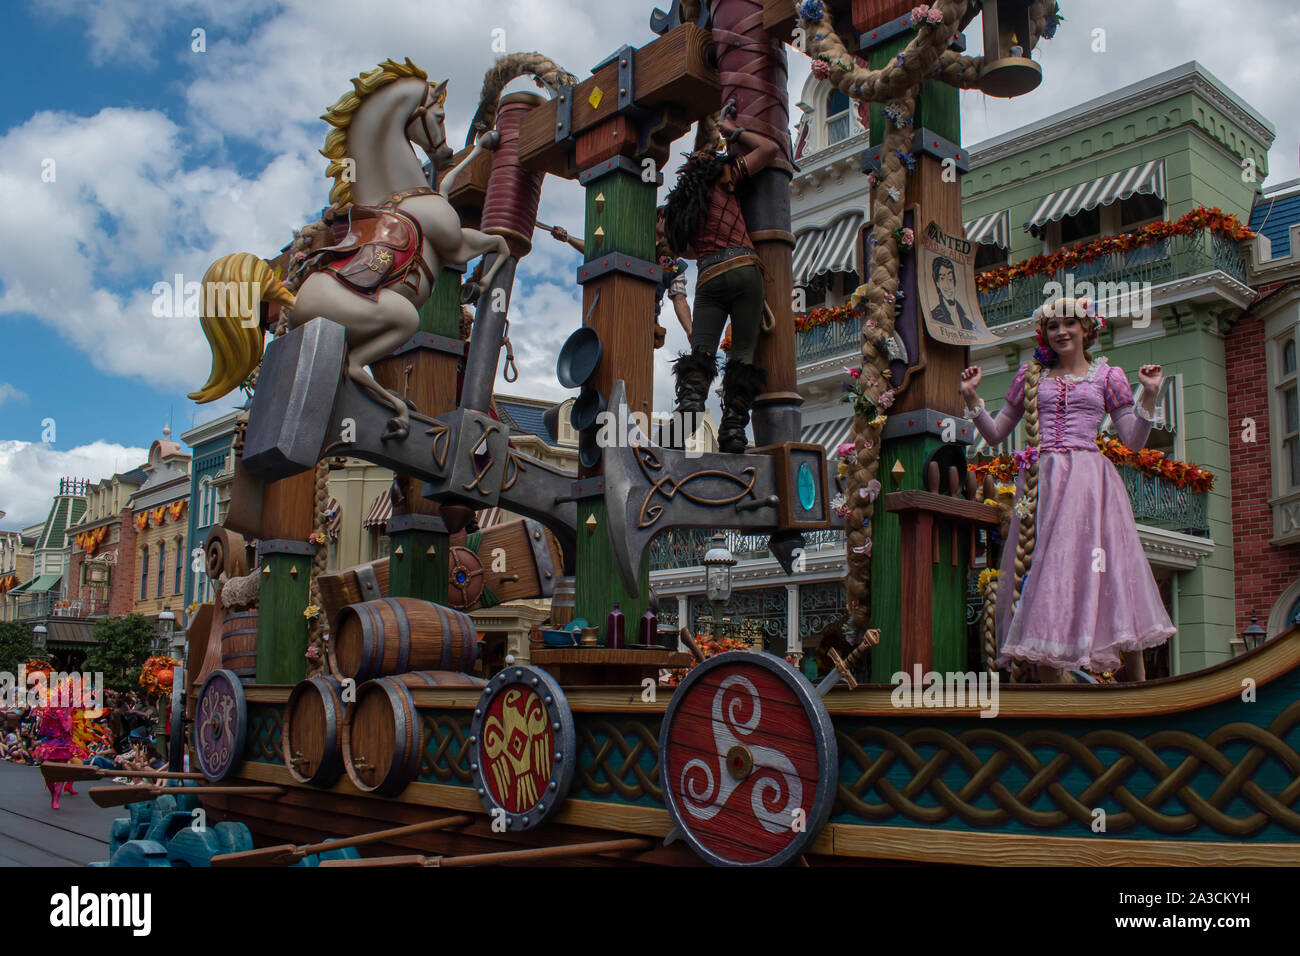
x: 1080, y: 308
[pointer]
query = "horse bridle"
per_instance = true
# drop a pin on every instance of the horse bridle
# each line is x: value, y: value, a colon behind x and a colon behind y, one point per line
x: 422, y: 113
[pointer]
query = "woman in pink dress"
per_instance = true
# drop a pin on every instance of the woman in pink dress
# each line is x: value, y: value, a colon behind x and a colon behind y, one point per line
x: 1075, y: 589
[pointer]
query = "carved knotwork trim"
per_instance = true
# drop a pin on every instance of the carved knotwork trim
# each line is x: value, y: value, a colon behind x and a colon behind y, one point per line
x: 669, y: 487
x: 1171, y: 805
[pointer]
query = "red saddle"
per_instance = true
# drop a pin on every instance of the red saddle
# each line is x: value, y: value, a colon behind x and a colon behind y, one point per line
x: 378, y: 247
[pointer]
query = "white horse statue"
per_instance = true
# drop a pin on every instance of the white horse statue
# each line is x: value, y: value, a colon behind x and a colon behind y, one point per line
x: 399, y: 233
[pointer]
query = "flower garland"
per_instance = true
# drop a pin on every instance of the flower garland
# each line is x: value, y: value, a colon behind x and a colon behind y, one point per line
x: 1148, y: 461
x: 156, y: 676
x: 710, y: 646
x: 1200, y: 218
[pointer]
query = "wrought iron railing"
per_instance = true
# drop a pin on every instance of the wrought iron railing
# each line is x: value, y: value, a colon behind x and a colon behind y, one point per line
x: 1158, y: 501
x: 825, y: 341
x: 30, y: 607
x: 1171, y: 258
x: 685, y: 547
x: 1155, y: 501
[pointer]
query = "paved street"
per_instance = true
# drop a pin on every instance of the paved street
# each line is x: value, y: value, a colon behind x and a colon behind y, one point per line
x: 31, y: 834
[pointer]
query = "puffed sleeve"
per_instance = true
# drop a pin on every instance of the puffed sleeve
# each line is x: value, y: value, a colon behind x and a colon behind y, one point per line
x: 1117, y: 395
x: 995, y: 430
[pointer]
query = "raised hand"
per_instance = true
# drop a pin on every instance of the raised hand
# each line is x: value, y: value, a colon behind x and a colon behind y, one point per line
x: 1150, y: 376
x: 970, y: 383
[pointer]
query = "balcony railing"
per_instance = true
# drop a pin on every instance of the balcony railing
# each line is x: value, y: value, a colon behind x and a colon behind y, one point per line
x: 825, y: 341
x: 1154, y: 500
x: 1166, y: 260
x: 32, y: 607
x: 685, y: 547
x: 1160, y: 502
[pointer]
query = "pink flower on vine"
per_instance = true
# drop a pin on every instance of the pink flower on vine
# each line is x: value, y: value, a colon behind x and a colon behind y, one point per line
x: 909, y: 237
x: 935, y: 15
x: 872, y: 489
x: 886, y: 398
x: 919, y: 13
x: 844, y: 450
x: 852, y: 372
x: 821, y: 69
x: 1025, y: 458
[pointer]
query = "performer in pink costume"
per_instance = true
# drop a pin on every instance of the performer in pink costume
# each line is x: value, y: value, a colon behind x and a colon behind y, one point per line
x: 1084, y: 595
x: 62, y: 731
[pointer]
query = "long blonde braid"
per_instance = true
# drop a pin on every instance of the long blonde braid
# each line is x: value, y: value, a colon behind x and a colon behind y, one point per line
x: 1029, y: 497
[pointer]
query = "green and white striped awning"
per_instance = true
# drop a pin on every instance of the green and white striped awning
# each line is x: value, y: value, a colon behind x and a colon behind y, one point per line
x: 991, y: 230
x: 1148, y: 178
x: 832, y: 249
x: 830, y: 435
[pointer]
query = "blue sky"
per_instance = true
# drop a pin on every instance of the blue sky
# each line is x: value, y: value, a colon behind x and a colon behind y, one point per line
x: 167, y: 158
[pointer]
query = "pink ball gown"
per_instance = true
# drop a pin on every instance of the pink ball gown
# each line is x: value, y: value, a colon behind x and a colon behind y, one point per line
x: 1072, y: 613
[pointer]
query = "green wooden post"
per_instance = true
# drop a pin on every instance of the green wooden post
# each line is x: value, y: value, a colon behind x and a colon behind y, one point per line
x: 938, y: 110
x: 419, y: 560
x: 620, y: 217
x: 418, y: 564
x: 281, y: 628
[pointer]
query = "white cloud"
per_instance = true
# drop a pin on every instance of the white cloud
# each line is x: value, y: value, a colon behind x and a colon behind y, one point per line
x: 10, y: 394
x: 30, y: 473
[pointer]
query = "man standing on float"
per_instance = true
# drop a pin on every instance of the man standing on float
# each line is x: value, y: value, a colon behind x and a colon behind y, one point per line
x: 703, y: 221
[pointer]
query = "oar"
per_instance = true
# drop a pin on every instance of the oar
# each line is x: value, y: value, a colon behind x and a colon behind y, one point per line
x: 125, y: 793
x: 63, y: 772
x: 689, y: 641
x: 287, y: 854
x: 504, y: 857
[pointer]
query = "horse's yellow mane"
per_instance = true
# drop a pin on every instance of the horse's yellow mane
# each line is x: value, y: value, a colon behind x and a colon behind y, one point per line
x: 340, y: 116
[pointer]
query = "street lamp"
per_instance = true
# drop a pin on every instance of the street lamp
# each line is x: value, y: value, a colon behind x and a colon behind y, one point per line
x: 166, y: 621
x: 718, y: 562
x: 38, y: 637
x: 1254, y: 635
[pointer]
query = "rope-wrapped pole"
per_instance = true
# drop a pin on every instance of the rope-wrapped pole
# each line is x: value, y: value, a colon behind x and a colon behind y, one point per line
x: 896, y: 85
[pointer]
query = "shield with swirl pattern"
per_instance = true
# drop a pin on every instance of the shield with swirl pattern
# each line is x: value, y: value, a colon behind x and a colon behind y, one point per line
x: 747, y: 760
x: 220, y: 725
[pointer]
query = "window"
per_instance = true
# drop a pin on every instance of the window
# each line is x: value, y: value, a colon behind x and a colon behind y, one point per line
x: 989, y: 256
x: 162, y: 565
x: 837, y: 117
x: 180, y: 564
x: 1288, y: 406
x: 144, y: 573
x: 1140, y: 209
x: 1080, y: 226
x: 205, y: 500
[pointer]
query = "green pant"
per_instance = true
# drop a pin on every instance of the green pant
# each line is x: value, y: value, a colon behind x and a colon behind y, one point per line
x: 739, y: 293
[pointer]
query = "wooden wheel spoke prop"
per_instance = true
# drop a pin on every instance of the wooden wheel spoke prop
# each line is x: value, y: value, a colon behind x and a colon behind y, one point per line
x: 747, y: 760
x: 220, y: 725
x: 522, y: 747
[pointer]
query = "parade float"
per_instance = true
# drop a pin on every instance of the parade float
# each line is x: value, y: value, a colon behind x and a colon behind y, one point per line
x: 354, y: 719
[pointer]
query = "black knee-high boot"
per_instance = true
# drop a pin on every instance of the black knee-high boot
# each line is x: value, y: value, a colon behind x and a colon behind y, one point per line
x: 741, y: 384
x: 694, y: 374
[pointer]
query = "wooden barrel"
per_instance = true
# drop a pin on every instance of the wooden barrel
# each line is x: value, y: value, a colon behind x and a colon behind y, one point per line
x: 562, y: 602
x: 415, y: 679
x: 313, y: 731
x: 395, y: 635
x: 239, y: 644
x: 383, y: 739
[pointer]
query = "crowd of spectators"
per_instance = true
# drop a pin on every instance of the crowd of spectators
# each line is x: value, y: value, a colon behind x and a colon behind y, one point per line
x: 126, y: 743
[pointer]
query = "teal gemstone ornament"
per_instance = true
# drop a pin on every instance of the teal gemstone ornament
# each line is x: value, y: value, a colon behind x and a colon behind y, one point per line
x: 807, y: 487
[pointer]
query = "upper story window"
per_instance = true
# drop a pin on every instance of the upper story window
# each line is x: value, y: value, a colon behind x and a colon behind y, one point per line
x: 989, y: 256
x: 144, y: 573
x: 1125, y: 215
x: 838, y: 110
x: 180, y: 564
x: 1287, y: 414
x: 162, y: 565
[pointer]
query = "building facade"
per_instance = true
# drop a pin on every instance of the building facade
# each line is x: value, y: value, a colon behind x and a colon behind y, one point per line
x: 211, y: 467
x: 15, y: 568
x: 101, y: 572
x: 159, y: 511
x: 1264, y: 421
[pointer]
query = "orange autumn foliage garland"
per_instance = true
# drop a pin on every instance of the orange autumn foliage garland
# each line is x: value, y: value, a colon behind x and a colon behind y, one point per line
x: 1200, y: 218
x: 1149, y: 461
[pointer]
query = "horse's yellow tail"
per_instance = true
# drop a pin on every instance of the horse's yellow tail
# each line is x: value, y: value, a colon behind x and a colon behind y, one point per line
x: 233, y: 290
